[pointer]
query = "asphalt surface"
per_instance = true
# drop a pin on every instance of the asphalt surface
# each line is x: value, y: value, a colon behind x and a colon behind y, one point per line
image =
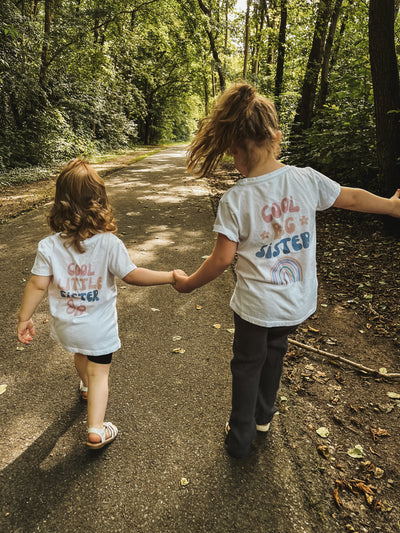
x: 170, y: 407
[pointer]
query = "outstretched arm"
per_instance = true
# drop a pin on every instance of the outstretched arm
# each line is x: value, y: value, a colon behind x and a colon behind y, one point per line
x: 366, y: 202
x: 146, y: 277
x: 222, y: 256
x: 34, y: 291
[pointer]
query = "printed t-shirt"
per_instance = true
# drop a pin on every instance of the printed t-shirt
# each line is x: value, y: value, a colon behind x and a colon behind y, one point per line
x: 272, y: 218
x: 83, y: 292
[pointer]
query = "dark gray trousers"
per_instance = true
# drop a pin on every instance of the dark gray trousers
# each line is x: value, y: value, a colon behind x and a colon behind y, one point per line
x: 256, y: 367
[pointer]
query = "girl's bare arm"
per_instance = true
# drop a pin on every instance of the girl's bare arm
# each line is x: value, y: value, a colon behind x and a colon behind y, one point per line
x: 34, y: 292
x: 366, y: 202
x: 222, y: 256
x: 146, y: 277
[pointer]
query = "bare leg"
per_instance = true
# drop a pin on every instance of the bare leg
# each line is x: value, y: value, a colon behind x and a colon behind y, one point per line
x: 97, y: 396
x: 81, y: 363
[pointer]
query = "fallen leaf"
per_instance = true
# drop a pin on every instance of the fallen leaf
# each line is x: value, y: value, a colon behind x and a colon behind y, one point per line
x: 324, y: 451
x: 184, y: 482
x: 394, y: 395
x: 369, y: 498
x: 154, y: 309
x: 323, y: 432
x: 178, y: 350
x: 331, y: 342
x: 176, y: 338
x: 382, y: 370
x: 231, y: 330
x: 3, y: 388
x: 356, y: 486
x: 336, y: 497
x: 357, y: 452
x: 379, y: 433
x: 217, y: 326
x: 199, y: 307
x: 385, y: 507
x: 20, y: 349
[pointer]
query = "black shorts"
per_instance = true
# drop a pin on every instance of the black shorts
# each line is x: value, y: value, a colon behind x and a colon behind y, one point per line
x: 101, y: 359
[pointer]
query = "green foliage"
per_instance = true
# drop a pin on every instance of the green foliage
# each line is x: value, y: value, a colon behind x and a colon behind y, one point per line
x: 340, y: 143
x: 342, y: 140
x: 101, y: 74
x: 115, y: 73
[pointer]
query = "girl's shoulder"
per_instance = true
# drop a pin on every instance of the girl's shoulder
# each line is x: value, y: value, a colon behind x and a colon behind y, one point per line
x: 50, y: 242
x: 104, y: 238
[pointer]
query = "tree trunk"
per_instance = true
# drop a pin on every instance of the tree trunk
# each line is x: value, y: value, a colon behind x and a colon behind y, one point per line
x: 323, y: 92
x: 48, y: 16
x: 385, y: 80
x: 213, y: 46
x: 246, y: 40
x: 281, y: 53
x: 206, y: 97
x: 305, y: 108
x: 260, y: 35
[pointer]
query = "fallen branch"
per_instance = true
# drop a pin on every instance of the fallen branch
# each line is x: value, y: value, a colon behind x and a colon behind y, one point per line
x: 344, y: 360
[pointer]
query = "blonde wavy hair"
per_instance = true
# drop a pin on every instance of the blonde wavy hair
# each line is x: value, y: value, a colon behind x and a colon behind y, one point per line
x: 81, y: 207
x: 240, y: 115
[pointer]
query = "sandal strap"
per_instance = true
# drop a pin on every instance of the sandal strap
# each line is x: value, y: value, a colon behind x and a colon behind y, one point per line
x: 112, y: 430
x: 82, y: 387
x: 107, y: 426
x: 100, y: 432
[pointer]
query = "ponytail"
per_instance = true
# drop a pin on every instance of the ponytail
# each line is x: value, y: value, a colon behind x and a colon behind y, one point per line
x: 239, y: 115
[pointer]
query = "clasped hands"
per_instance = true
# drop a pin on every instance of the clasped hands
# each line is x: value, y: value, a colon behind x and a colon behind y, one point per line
x: 180, y: 283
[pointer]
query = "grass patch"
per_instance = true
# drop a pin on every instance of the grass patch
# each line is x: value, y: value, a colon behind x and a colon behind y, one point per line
x: 26, y: 175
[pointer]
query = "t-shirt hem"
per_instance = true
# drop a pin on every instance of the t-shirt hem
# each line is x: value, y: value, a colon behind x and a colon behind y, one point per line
x: 272, y: 323
x: 96, y: 352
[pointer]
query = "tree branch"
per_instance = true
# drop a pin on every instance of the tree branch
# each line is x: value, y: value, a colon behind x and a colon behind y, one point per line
x: 344, y: 360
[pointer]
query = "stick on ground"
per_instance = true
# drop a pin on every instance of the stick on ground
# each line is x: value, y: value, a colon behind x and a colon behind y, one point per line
x: 344, y: 360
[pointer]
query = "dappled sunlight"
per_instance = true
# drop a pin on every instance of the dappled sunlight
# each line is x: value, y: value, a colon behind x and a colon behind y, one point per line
x: 128, y: 184
x: 20, y: 439
x: 165, y: 223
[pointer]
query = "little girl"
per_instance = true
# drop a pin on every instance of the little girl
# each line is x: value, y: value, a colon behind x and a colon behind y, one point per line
x: 268, y: 219
x: 78, y: 265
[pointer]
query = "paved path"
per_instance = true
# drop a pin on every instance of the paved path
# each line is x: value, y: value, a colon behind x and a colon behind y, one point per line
x: 170, y: 407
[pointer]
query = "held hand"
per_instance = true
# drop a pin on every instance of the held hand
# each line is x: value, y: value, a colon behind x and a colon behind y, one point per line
x: 25, y: 331
x: 395, y: 199
x: 180, y: 282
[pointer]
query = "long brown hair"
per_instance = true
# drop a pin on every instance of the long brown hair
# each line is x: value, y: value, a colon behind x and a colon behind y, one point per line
x: 240, y: 115
x: 81, y: 207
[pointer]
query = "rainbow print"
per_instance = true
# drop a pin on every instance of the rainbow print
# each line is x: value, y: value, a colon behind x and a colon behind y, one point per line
x: 286, y: 271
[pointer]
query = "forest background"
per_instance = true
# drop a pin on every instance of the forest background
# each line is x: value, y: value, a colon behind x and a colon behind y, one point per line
x: 80, y: 77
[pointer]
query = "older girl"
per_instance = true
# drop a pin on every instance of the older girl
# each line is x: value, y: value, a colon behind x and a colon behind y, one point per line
x: 268, y: 220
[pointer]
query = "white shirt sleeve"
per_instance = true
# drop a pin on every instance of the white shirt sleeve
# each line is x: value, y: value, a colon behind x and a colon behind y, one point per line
x: 42, y: 265
x: 120, y: 263
x: 326, y: 190
x: 226, y: 221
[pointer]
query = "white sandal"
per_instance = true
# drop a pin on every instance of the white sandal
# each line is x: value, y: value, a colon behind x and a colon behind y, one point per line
x: 107, y: 427
x: 83, y: 391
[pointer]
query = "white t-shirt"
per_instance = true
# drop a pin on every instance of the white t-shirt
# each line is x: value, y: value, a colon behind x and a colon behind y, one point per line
x: 272, y: 218
x: 83, y: 293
